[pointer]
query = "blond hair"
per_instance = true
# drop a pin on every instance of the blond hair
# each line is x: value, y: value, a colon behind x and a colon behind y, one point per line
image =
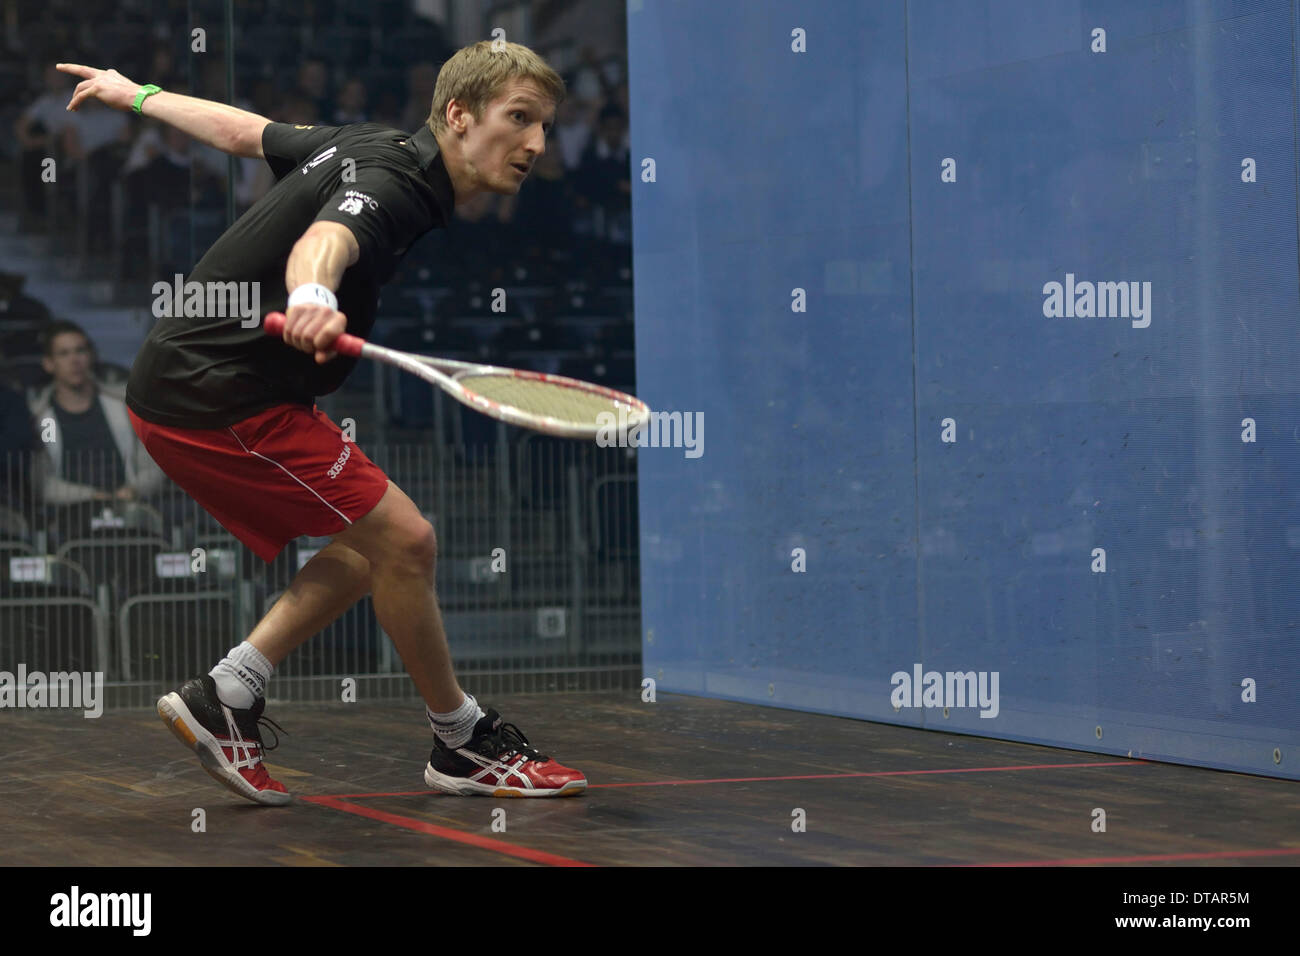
x: 476, y: 75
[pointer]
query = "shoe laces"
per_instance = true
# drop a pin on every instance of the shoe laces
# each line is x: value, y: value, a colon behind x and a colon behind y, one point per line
x: 238, y: 722
x: 509, y: 739
x: 268, y: 723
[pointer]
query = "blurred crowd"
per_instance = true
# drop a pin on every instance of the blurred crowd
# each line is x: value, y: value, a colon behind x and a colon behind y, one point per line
x: 580, y: 187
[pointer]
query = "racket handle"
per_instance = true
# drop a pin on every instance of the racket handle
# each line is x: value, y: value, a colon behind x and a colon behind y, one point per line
x: 345, y: 344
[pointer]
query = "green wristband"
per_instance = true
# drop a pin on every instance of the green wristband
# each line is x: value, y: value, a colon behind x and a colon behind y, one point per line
x: 146, y: 91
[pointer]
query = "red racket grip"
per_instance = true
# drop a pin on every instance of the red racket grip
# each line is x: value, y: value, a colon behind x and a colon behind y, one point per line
x: 345, y: 344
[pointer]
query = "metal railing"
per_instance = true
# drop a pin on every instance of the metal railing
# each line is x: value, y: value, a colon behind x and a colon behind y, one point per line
x: 537, y: 577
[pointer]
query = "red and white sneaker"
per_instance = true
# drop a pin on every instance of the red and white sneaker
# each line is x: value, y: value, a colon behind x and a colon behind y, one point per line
x: 228, y: 741
x: 498, y: 762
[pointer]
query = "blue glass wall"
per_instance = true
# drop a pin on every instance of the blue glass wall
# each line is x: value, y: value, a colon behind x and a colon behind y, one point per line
x: 989, y: 310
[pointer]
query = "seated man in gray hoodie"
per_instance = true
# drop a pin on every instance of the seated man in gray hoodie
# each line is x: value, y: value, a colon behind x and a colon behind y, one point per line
x: 91, y: 451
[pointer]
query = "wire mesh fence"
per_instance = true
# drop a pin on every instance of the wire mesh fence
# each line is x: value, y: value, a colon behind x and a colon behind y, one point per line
x: 537, y: 575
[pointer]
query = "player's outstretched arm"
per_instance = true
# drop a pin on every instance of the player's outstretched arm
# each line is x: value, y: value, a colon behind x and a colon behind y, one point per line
x: 226, y: 128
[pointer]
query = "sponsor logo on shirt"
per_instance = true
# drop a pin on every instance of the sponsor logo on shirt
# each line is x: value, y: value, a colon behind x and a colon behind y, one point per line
x: 304, y: 127
x: 319, y: 159
x: 354, y: 200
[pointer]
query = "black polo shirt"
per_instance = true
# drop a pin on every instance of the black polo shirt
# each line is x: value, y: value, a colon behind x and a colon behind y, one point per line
x: 209, y: 371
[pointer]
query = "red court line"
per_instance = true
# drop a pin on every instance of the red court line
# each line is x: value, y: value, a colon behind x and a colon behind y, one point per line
x: 1218, y: 855
x: 447, y: 833
x: 806, y: 776
x: 873, y: 773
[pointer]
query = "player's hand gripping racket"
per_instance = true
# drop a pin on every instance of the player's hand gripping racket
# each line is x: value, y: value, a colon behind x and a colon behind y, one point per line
x: 546, y: 403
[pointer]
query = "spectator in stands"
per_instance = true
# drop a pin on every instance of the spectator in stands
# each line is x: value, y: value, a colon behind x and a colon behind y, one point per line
x: 292, y: 109
x: 573, y: 131
x: 88, y: 134
x: 313, y: 86
x: 45, y: 117
x: 93, y: 143
x: 171, y: 172
x: 20, y: 316
x: 352, y: 103
x: 299, y: 110
x: 18, y: 442
x: 162, y: 66
x: 37, y: 130
x: 91, y: 451
x: 543, y: 214
x: 605, y: 175
x: 420, y: 81
x: 264, y: 97
x: 212, y: 80
x: 159, y: 156
x: 590, y: 90
x: 622, y: 97
x: 253, y: 179
x: 604, y: 163
x: 15, y: 306
x: 388, y: 108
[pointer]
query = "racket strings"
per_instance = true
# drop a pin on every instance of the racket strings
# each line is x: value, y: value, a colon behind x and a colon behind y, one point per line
x: 550, y: 399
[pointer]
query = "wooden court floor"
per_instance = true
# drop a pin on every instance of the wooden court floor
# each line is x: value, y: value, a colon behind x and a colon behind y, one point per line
x: 680, y: 782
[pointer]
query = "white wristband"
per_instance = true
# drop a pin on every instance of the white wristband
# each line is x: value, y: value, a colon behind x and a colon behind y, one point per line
x: 312, y: 293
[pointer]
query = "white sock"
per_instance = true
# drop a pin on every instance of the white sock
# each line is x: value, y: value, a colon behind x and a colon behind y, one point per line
x: 241, y: 676
x: 456, y: 728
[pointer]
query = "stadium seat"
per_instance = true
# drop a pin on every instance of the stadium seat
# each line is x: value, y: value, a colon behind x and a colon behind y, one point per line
x: 169, y: 638
x: 53, y: 634
x: 13, y: 526
x: 49, y: 619
x: 52, y: 577
x: 124, y: 564
x: 440, y: 339
x: 543, y: 337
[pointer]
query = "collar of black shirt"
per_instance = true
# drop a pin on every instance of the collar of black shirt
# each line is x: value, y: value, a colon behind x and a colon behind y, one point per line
x: 435, y: 171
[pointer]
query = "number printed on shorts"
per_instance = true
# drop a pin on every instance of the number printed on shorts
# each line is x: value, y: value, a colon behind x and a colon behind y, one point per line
x: 343, y: 460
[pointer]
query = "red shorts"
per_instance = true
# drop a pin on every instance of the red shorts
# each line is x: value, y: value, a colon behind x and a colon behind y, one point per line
x: 282, y: 473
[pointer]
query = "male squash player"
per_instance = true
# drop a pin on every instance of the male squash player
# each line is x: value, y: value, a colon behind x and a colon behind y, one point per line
x: 229, y: 412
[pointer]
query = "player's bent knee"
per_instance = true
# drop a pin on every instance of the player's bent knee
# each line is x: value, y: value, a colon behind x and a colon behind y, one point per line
x: 410, y: 544
x: 422, y: 546
x: 394, y: 535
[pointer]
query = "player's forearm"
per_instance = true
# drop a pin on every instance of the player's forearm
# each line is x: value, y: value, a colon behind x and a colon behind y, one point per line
x: 224, y: 127
x: 319, y: 258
